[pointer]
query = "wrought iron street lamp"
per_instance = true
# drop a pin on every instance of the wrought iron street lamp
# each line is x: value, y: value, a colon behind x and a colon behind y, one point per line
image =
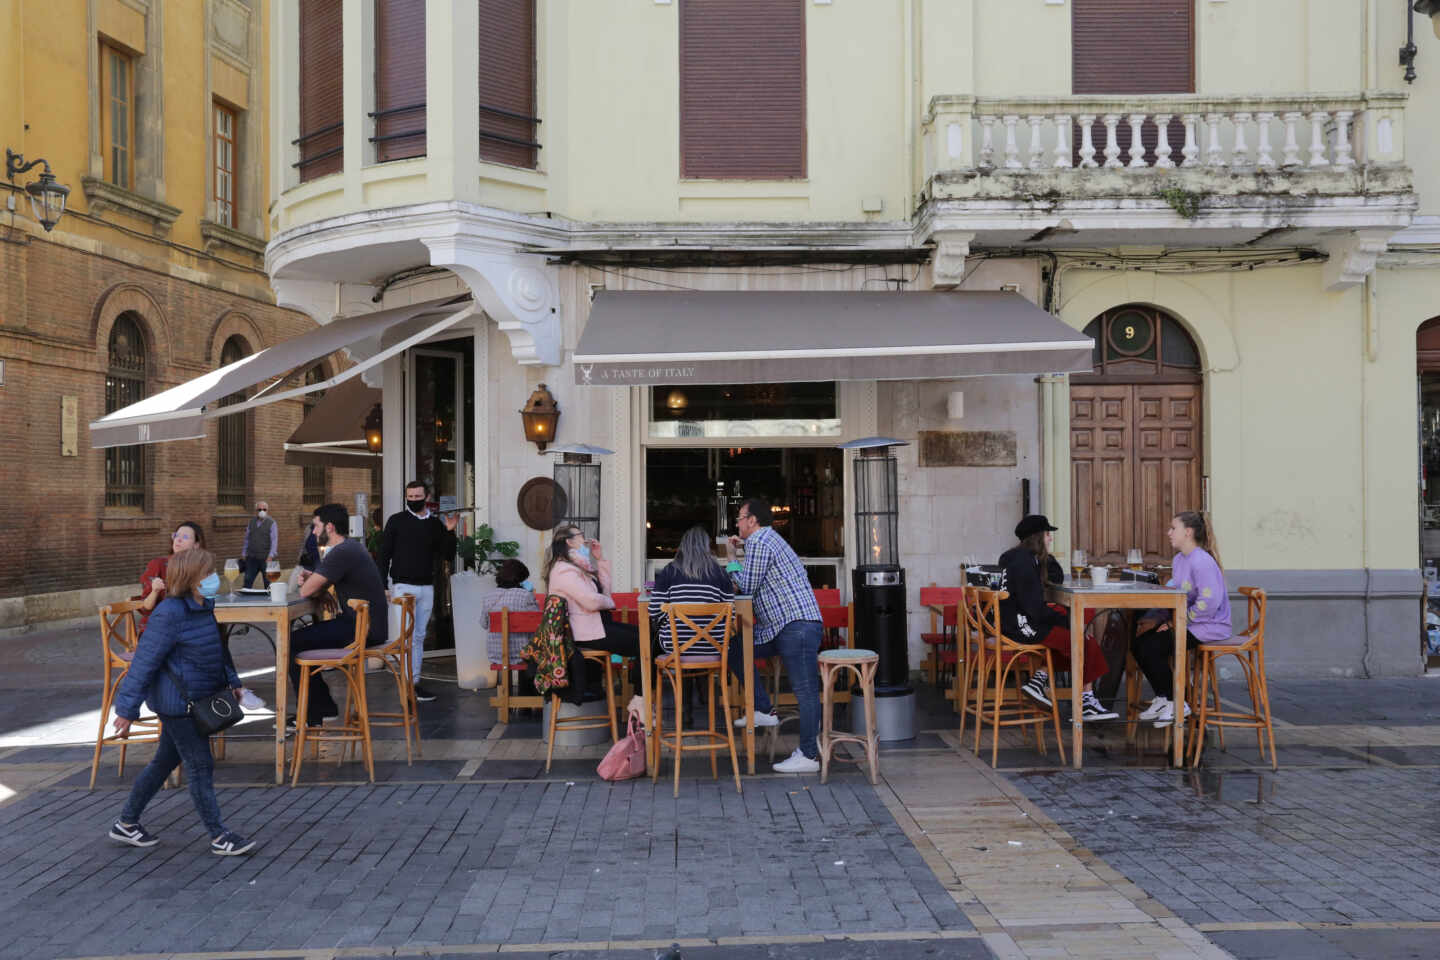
x: 47, y: 197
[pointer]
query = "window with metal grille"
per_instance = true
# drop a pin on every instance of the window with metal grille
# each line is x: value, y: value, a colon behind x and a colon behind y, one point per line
x: 232, y: 466
x: 124, y: 385
x: 399, y: 79
x: 322, y: 94
x: 314, y: 477
x: 224, y: 166
x: 117, y: 115
x: 509, y: 129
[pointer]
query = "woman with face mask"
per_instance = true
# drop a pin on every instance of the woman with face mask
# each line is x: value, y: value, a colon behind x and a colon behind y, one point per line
x: 576, y: 569
x: 181, y: 640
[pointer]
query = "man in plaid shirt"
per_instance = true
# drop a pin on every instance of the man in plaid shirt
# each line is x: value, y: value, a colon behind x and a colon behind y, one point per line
x: 787, y: 624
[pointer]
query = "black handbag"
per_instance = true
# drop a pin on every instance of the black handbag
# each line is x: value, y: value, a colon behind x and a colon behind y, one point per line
x: 210, y: 714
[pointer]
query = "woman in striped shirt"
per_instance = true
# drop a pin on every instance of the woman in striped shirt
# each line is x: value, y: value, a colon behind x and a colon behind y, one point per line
x: 692, y: 577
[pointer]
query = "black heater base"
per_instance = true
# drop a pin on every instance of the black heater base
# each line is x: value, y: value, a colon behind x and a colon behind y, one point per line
x: 880, y: 625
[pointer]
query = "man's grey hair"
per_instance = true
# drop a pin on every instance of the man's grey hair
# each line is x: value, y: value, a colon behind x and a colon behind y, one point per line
x: 694, y: 558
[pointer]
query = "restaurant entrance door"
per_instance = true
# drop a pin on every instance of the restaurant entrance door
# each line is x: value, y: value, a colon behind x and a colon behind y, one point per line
x: 1427, y: 388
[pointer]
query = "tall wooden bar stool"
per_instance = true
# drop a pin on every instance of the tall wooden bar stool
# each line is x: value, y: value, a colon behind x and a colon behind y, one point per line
x: 708, y: 625
x: 394, y: 658
x: 863, y: 664
x: 507, y: 623
x: 349, y: 662
x: 835, y: 618
x: 1248, y: 647
x: 1001, y: 662
x: 118, y: 636
x: 560, y: 724
x: 969, y: 642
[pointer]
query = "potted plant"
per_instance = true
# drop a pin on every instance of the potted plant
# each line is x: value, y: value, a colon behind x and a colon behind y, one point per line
x: 480, y: 556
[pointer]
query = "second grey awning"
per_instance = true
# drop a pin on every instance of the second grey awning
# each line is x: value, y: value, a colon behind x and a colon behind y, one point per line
x: 333, y: 432
x: 651, y: 337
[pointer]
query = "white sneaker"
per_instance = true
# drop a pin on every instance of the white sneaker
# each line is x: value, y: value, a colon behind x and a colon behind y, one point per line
x: 1167, y: 716
x: 797, y: 762
x: 1157, y: 706
x: 249, y: 701
x: 761, y: 720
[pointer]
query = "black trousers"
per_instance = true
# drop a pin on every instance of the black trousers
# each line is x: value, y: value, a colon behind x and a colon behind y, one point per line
x: 1153, y: 651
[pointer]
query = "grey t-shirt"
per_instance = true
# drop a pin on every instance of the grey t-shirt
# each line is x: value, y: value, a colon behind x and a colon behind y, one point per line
x: 352, y: 571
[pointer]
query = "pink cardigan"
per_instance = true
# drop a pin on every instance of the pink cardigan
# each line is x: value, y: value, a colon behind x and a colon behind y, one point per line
x: 575, y: 585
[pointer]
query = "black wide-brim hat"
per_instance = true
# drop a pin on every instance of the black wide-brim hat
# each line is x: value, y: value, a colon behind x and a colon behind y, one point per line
x: 1034, y: 523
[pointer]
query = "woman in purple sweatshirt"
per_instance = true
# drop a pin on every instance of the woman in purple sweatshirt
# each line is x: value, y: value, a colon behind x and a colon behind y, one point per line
x: 1197, y: 571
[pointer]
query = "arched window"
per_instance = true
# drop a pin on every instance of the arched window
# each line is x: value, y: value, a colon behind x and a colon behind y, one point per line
x: 124, y: 385
x: 232, y: 466
x: 1135, y: 340
x: 314, y: 477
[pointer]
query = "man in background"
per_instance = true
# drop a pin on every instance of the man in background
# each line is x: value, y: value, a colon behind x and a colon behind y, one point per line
x: 262, y: 544
x: 413, y: 545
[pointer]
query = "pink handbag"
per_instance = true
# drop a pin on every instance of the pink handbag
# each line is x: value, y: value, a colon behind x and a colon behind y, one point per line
x: 626, y: 759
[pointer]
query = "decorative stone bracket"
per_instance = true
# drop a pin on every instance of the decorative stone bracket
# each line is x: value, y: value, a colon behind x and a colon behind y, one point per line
x: 517, y: 290
x: 102, y: 195
x: 219, y: 235
x: 1352, y: 258
x: 951, y: 249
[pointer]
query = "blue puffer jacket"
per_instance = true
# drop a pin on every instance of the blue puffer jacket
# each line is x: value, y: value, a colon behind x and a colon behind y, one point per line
x: 182, y: 634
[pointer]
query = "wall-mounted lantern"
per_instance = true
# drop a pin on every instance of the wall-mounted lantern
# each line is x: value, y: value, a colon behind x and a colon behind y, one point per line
x: 540, y: 415
x: 47, y: 198
x: 374, y: 438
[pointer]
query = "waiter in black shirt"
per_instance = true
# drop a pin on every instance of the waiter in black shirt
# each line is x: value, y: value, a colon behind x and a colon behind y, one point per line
x: 414, y: 543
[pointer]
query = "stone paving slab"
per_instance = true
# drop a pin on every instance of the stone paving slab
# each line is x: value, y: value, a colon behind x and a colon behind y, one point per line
x: 1330, y: 944
x: 416, y: 864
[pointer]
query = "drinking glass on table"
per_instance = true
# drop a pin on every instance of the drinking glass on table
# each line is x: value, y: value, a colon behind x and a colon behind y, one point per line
x: 1135, y: 558
x: 1077, y: 563
x: 272, y: 571
x: 232, y: 574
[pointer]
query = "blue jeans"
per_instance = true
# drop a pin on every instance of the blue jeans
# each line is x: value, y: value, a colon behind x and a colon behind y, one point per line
x: 180, y: 743
x: 253, y: 568
x: 798, y: 644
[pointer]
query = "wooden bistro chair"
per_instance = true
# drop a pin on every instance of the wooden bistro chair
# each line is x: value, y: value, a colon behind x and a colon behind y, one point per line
x: 1248, y: 647
x: 1001, y: 661
x: 349, y: 662
x: 710, y: 623
x: 507, y: 623
x: 394, y: 658
x: 118, y: 636
x: 941, y: 657
x: 559, y: 724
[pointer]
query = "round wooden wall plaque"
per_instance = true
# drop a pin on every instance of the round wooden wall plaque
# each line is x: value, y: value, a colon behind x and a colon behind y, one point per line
x: 541, y: 500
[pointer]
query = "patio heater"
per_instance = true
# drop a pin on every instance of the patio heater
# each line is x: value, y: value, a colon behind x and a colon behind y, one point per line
x: 879, y: 585
x: 577, y: 479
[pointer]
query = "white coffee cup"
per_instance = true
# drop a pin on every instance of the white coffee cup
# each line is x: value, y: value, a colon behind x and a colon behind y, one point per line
x: 1099, y: 575
x: 277, y: 591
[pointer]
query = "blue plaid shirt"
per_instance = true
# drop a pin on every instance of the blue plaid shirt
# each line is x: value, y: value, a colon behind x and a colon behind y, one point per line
x: 774, y: 576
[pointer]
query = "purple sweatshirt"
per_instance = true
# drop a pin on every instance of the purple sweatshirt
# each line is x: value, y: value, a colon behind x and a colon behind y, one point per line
x: 1207, y: 601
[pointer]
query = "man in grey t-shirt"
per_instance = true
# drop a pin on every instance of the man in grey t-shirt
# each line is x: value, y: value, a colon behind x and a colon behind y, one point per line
x: 347, y: 566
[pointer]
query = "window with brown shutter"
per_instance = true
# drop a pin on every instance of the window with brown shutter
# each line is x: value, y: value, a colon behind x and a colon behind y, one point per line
x: 399, y: 79
x: 322, y: 94
x: 1133, y: 46
x: 742, y: 89
x: 508, y: 126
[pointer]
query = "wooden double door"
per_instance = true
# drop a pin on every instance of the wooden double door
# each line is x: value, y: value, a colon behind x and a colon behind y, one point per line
x: 1135, y: 461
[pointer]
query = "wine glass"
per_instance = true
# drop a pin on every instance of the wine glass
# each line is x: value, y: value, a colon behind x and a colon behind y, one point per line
x: 232, y: 574
x: 272, y: 571
x: 1077, y: 563
x: 1134, y: 558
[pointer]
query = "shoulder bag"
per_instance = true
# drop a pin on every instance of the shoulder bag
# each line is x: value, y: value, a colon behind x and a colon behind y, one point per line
x: 210, y: 714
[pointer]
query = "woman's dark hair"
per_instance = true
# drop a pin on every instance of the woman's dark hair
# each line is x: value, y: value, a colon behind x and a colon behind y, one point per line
x: 195, y: 529
x: 1204, y: 532
x: 559, y: 549
x: 1035, y: 543
x: 512, y: 573
x: 759, y: 509
x: 694, y: 558
x: 184, y: 570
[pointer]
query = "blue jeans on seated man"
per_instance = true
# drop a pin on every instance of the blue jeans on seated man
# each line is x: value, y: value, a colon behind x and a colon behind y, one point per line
x: 253, y: 568
x: 323, y: 635
x: 180, y: 743
x: 798, y: 644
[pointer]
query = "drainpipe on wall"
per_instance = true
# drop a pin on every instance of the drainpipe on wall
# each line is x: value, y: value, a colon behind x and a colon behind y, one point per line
x: 1371, y: 344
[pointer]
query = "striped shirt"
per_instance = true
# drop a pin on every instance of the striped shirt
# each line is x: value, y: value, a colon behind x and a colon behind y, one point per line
x: 776, y: 578
x: 672, y: 586
x: 515, y: 599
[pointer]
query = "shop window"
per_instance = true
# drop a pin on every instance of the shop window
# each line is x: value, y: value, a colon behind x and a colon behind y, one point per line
x: 232, y: 468
x: 117, y: 115
x: 224, y: 166
x: 313, y: 479
x: 745, y: 410
x: 509, y: 128
x: 124, y: 385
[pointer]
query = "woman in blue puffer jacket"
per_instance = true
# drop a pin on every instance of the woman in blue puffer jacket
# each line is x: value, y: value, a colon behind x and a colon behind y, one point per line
x: 181, y: 638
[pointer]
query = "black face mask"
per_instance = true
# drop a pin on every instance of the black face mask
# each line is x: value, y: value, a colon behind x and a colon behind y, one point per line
x: 415, y: 506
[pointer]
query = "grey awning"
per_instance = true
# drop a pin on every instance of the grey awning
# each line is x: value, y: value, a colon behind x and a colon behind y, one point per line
x: 648, y: 337
x: 333, y: 432
x: 180, y: 412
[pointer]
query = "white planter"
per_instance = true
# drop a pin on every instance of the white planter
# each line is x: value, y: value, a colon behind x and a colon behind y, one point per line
x: 472, y: 637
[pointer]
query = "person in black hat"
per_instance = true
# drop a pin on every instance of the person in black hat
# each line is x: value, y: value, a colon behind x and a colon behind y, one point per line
x: 1025, y: 617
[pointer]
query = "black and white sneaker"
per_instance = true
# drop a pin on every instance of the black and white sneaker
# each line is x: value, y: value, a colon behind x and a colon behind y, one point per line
x: 424, y: 694
x: 290, y: 721
x: 1092, y: 709
x: 1036, y: 686
x: 133, y: 834
x: 230, y: 844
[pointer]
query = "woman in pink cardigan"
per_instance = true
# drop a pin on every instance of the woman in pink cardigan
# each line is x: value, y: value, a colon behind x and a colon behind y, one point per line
x: 576, y: 569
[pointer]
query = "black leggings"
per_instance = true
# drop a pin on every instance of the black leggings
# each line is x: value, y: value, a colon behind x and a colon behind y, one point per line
x: 1153, y: 651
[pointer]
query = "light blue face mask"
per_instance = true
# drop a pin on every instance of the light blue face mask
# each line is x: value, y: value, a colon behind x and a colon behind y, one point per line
x: 526, y: 584
x: 210, y: 586
x: 583, y: 551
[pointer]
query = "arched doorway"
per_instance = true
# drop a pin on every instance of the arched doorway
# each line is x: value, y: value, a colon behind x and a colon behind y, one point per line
x: 1135, y: 434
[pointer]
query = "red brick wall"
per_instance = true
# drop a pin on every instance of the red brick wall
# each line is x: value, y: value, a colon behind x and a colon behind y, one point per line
x: 56, y: 308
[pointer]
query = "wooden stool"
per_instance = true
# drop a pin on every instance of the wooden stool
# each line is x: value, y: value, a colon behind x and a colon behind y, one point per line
x: 1248, y: 647
x: 349, y: 662
x: 395, y: 658
x: 507, y: 622
x: 709, y: 624
x: 863, y: 664
x: 557, y: 723
x: 118, y: 637
x: 997, y: 663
